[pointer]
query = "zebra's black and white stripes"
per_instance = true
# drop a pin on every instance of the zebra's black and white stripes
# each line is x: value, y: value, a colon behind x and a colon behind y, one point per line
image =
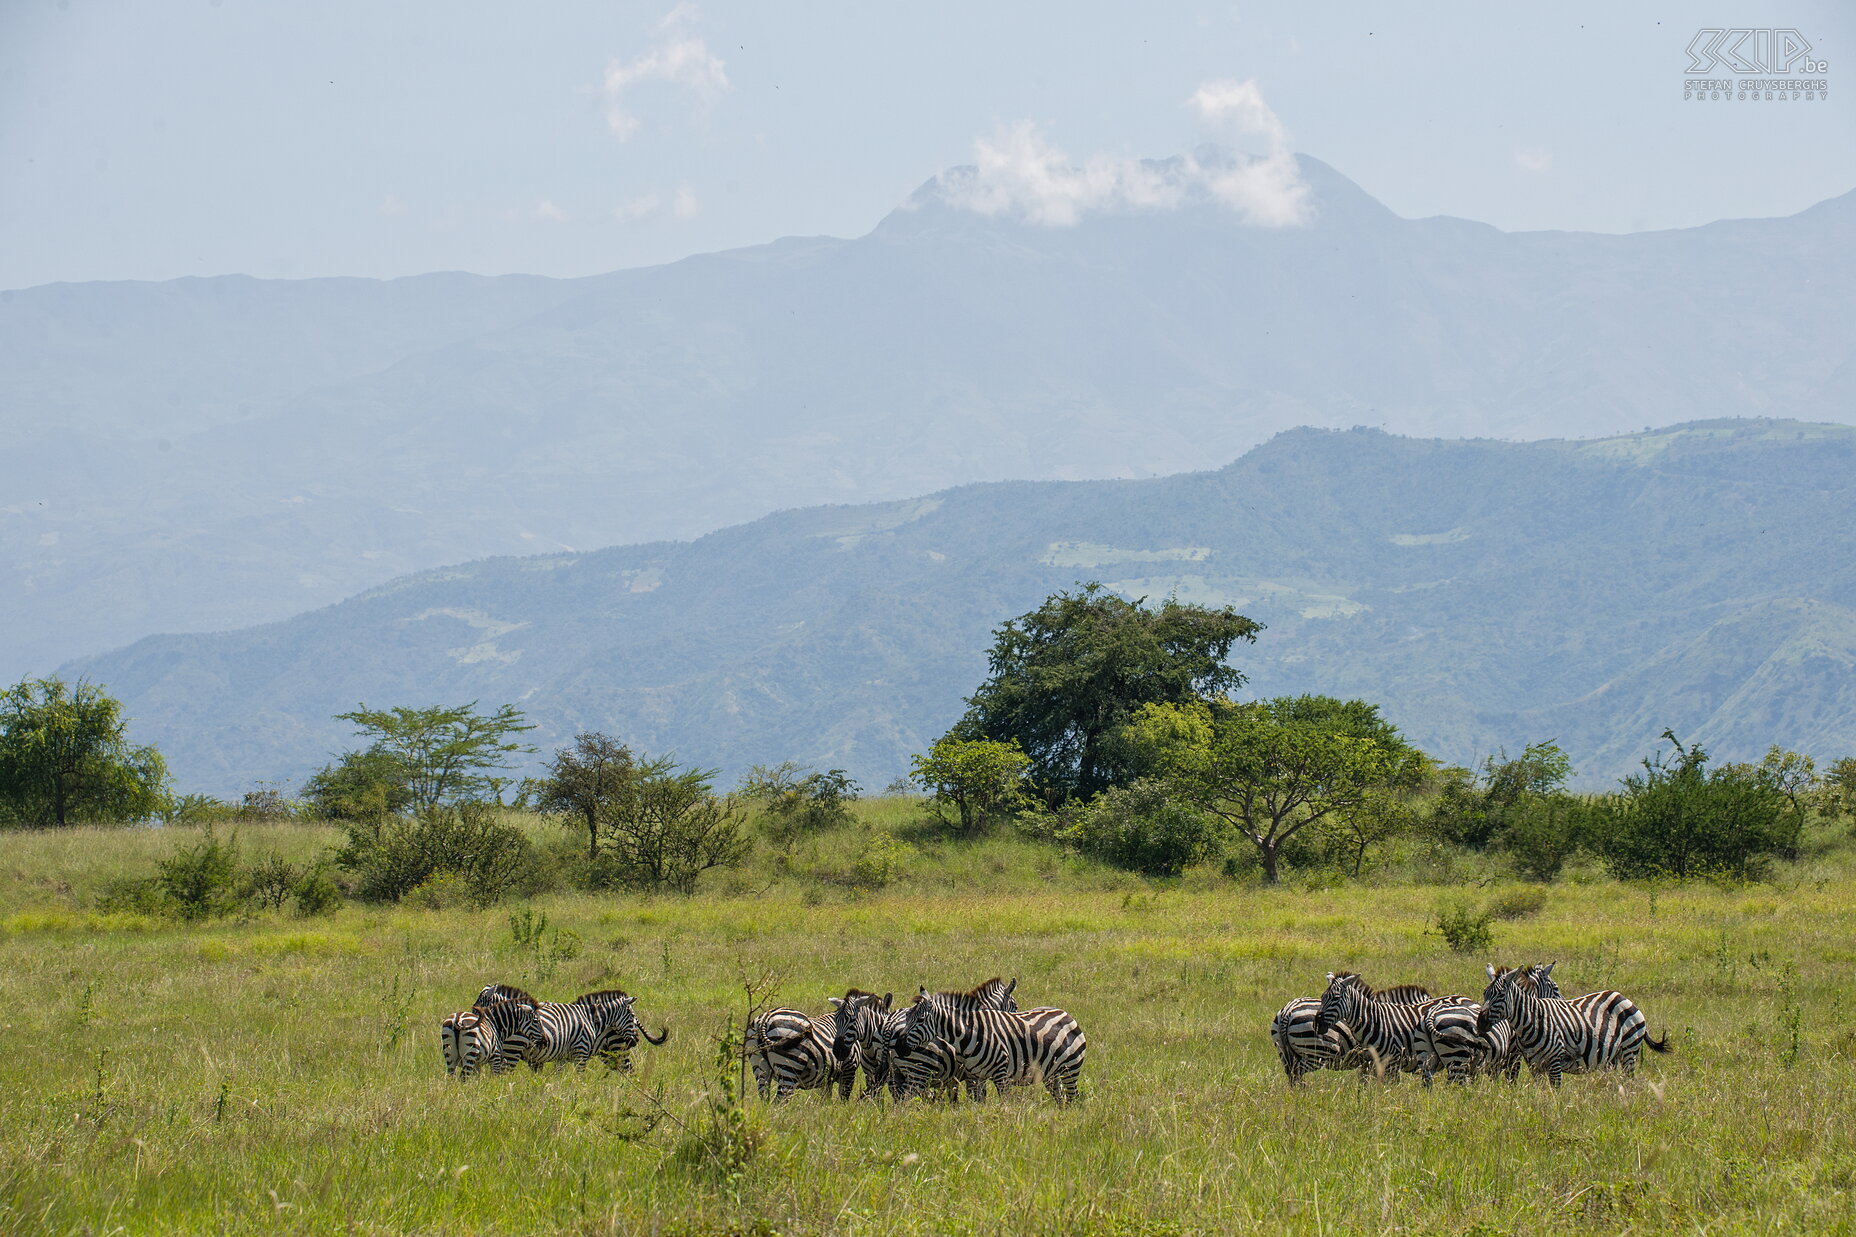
x: 1005, y: 1048
x: 1305, y: 1045
x: 790, y: 1051
x: 603, y: 1024
x: 1555, y: 1036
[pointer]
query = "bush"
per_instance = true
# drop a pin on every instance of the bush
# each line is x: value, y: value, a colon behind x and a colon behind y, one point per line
x: 490, y: 858
x: 793, y: 806
x: 1139, y: 828
x: 669, y: 831
x: 1542, y: 832
x: 1464, y: 929
x: 272, y: 881
x: 368, y: 785
x: 134, y: 895
x: 972, y: 782
x: 316, y: 894
x: 196, y: 810
x: 201, y: 881
x: 1518, y: 904
x: 1678, y: 818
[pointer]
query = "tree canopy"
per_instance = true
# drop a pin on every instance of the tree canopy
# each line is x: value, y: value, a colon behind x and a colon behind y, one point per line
x: 446, y: 755
x: 1065, y: 678
x: 65, y: 756
x: 1272, y: 768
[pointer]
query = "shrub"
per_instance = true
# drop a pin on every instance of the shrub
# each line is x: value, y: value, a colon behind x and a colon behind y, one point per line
x: 976, y: 780
x: 1464, y: 929
x: 368, y: 785
x: 669, y: 831
x: 880, y: 860
x: 272, y: 881
x: 491, y: 859
x: 201, y: 881
x: 134, y: 895
x: 1542, y: 832
x: 795, y: 804
x: 1680, y: 819
x: 1139, y: 828
x: 196, y: 810
x: 316, y: 894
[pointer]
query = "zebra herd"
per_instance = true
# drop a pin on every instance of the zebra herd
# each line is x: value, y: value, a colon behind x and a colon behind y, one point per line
x: 507, y: 1025
x: 931, y: 1047
x: 1522, y: 1018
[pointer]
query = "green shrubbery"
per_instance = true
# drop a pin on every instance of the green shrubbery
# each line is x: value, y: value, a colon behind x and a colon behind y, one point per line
x: 478, y: 853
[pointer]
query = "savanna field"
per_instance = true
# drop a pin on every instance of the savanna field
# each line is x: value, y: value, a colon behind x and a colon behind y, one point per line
x: 271, y: 1073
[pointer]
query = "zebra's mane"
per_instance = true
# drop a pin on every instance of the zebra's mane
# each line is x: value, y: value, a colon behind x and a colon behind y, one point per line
x: 596, y: 998
x: 991, y: 985
x: 504, y: 992
x: 1402, y: 994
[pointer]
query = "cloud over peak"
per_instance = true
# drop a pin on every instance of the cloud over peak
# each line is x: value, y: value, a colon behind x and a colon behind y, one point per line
x: 1018, y: 174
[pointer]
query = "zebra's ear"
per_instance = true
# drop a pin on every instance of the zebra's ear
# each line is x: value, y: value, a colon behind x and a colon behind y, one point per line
x: 1009, y: 987
x: 1548, y: 968
x: 1490, y: 968
x: 837, y: 1002
x: 887, y: 998
x: 1330, y: 976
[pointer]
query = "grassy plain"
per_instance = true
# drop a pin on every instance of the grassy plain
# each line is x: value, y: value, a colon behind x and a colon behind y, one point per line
x: 273, y: 1074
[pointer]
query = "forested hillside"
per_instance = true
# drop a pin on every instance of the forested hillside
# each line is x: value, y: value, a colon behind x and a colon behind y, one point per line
x: 1486, y: 593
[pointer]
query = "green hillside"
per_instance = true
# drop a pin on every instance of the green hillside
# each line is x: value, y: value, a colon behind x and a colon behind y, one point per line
x: 1488, y: 593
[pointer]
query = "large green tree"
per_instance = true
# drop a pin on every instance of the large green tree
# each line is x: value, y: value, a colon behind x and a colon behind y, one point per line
x: 1065, y: 678
x: 1272, y: 768
x: 65, y: 756
x: 447, y: 755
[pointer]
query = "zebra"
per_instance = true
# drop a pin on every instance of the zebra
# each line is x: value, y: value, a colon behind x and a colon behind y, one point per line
x: 1304, y: 1049
x: 1557, y: 1036
x: 934, y: 1070
x: 1463, y: 1040
x: 791, y: 1051
x: 1385, y: 1031
x: 496, y: 1032
x: 469, y: 1041
x: 1003, y: 1047
x: 602, y: 1024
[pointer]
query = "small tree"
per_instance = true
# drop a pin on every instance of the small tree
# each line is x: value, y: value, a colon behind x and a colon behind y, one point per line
x: 795, y: 802
x: 65, y: 755
x: 1680, y: 819
x: 980, y: 780
x: 447, y: 754
x: 367, y: 785
x: 671, y: 829
x: 201, y: 881
x: 591, y: 779
x: 1837, y: 790
x: 1272, y: 768
x: 1378, y: 818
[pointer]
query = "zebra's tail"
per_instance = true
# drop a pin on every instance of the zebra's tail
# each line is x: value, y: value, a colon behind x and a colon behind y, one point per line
x: 1656, y: 1046
x: 664, y: 1035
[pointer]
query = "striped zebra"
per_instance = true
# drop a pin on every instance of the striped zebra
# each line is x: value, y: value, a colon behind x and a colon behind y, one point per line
x: 496, y: 1033
x: 1003, y: 1047
x: 1464, y: 1040
x: 790, y: 1051
x: 1385, y: 1031
x: 470, y: 1042
x: 932, y: 1071
x: 1555, y: 1036
x: 602, y: 1024
x: 1304, y: 1049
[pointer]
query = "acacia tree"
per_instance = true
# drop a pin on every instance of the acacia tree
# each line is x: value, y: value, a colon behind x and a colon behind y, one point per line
x: 1272, y: 768
x: 591, y: 778
x: 446, y: 754
x: 65, y: 754
x: 1065, y: 678
x: 670, y: 828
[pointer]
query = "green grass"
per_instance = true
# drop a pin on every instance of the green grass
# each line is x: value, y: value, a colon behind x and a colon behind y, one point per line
x: 276, y: 1074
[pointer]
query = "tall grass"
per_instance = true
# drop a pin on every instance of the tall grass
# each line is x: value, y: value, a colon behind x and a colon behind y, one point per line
x: 275, y: 1074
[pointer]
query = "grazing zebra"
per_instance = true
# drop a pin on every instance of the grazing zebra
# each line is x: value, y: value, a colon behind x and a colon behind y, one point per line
x: 1003, y: 1047
x: 1305, y: 1049
x: 602, y: 1024
x: 1556, y: 1036
x: 934, y: 1070
x: 470, y: 1042
x: 791, y: 1051
x: 1385, y: 1030
x: 614, y: 1011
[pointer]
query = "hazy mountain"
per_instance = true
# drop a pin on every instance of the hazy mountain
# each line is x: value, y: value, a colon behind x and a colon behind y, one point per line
x: 209, y: 453
x: 1486, y: 593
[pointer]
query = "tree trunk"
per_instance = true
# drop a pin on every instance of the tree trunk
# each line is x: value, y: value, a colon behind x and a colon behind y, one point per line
x: 592, y: 836
x: 1268, y: 851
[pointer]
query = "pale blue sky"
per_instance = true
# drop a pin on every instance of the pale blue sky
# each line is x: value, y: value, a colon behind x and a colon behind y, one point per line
x: 283, y: 138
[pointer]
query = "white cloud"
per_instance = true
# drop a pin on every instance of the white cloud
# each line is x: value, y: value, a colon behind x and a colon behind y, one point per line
x: 1017, y: 173
x: 679, y: 58
x: 548, y: 211
x: 1534, y: 159
x: 653, y: 205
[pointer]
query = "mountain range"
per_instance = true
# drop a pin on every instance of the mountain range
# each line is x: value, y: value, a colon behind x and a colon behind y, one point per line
x: 1487, y: 594
x: 204, y: 454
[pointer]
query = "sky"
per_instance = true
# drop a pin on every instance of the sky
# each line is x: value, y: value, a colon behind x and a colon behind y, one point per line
x: 286, y: 138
